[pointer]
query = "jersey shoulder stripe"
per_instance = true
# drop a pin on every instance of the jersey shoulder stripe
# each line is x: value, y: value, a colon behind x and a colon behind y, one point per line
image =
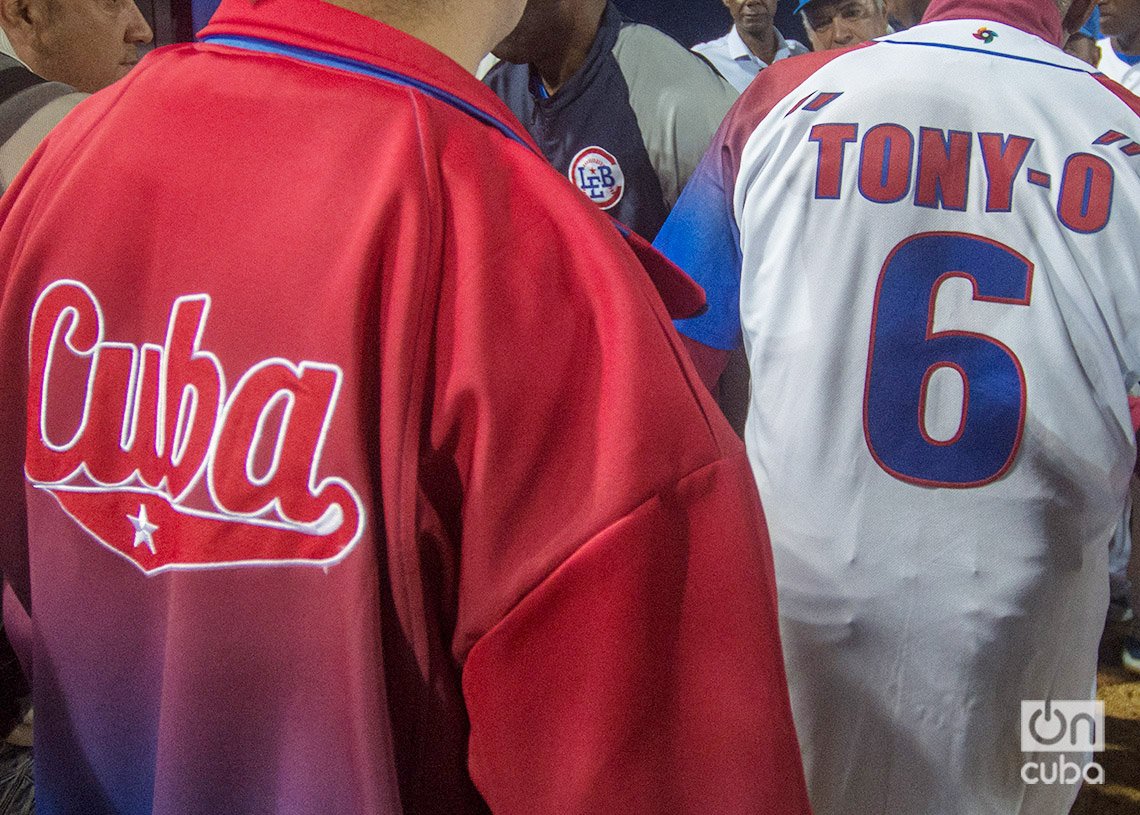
x: 997, y: 54
x: 361, y: 68
x: 1122, y: 93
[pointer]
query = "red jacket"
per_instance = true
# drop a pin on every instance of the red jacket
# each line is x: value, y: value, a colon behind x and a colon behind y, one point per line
x: 363, y: 468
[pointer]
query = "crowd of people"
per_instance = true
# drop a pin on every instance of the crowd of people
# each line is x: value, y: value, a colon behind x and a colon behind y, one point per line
x: 493, y: 405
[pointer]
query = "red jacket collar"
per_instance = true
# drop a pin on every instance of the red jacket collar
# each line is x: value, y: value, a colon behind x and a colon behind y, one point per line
x: 321, y: 26
x: 1038, y: 17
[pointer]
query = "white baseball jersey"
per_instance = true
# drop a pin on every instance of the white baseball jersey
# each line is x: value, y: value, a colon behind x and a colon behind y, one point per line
x: 1114, y: 67
x: 936, y: 280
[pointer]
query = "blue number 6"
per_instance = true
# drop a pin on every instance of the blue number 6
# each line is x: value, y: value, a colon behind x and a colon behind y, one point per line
x: 905, y: 352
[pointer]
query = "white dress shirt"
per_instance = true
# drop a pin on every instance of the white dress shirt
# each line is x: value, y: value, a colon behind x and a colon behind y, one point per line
x: 735, y: 62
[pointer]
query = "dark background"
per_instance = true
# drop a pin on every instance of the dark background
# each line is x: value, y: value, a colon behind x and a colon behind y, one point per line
x: 689, y: 21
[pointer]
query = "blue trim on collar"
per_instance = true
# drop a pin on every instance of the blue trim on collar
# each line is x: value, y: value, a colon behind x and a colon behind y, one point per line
x: 1127, y: 59
x: 364, y: 69
x: 986, y: 53
x: 383, y: 74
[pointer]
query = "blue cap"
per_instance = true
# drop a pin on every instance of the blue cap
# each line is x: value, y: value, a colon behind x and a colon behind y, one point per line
x: 1092, y: 27
x: 800, y: 6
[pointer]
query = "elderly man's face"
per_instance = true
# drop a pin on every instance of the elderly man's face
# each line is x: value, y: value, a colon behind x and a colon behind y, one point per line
x: 86, y: 43
x: 838, y: 23
x: 1120, y: 18
x: 752, y: 16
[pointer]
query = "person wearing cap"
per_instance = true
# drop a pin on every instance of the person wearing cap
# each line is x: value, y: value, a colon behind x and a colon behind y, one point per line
x: 358, y: 468
x: 840, y: 23
x: 1120, y: 45
x: 934, y: 276
x: 753, y: 42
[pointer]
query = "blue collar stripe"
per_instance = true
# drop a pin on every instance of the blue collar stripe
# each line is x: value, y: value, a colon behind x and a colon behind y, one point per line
x: 1129, y: 59
x: 364, y: 69
x: 987, y: 53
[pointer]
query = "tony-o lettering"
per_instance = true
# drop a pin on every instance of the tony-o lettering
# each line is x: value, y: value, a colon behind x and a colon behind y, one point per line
x: 159, y: 420
x: 933, y: 169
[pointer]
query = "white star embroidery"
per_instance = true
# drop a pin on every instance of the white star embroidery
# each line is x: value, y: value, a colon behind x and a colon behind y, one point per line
x: 144, y: 529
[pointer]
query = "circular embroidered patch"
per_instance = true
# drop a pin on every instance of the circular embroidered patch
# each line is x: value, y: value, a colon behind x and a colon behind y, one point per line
x: 598, y: 174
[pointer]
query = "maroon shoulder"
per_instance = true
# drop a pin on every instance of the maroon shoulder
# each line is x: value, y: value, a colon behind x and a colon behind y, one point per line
x: 771, y: 86
x: 1126, y: 96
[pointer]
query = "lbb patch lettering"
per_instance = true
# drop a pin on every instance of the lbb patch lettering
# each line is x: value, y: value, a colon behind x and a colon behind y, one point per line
x: 598, y: 174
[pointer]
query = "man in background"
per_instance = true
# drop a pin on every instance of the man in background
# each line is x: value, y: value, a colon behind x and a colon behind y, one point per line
x: 1120, y: 46
x: 354, y: 466
x: 905, y: 13
x: 1085, y: 44
x: 840, y: 23
x: 753, y: 42
x: 942, y: 333
x: 49, y: 49
x: 619, y: 108
x: 87, y: 44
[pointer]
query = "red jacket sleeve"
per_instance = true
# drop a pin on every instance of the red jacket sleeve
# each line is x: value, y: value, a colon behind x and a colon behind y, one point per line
x: 644, y: 675
x: 709, y: 362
